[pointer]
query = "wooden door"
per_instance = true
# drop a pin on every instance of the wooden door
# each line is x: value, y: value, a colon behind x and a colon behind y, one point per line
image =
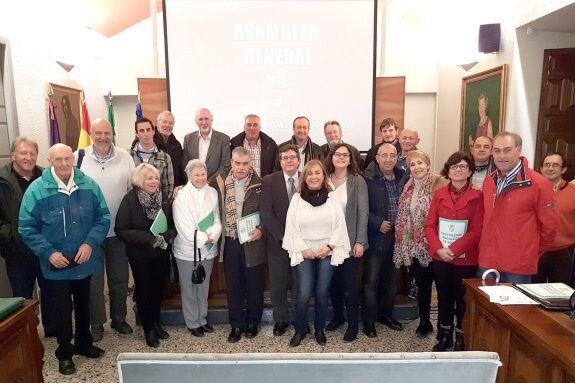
x: 389, y: 103
x: 153, y: 96
x: 556, y: 125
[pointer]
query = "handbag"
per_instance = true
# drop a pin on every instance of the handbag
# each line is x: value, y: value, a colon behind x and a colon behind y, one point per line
x: 199, y: 272
x: 174, y: 276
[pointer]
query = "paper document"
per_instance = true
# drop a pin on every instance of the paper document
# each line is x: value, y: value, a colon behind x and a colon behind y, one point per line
x: 246, y: 225
x: 450, y: 230
x: 507, y: 295
x: 160, y: 224
x: 205, y: 224
x: 547, y: 290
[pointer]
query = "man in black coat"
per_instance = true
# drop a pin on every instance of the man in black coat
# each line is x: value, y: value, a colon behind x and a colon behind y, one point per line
x: 333, y: 135
x: 308, y: 150
x: 389, y: 134
x: 167, y: 142
x: 277, y: 190
x: 263, y: 149
x: 384, y: 185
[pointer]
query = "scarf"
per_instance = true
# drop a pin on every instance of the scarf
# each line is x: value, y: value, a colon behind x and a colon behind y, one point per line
x: 410, y: 240
x: 151, y: 203
x: 230, y: 202
x: 456, y: 194
x: 314, y: 197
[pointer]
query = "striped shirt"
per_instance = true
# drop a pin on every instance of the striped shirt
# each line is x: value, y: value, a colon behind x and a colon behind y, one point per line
x: 255, y: 155
x: 503, y: 182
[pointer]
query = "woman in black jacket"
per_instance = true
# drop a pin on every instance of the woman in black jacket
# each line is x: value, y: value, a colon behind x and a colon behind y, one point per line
x: 147, y: 252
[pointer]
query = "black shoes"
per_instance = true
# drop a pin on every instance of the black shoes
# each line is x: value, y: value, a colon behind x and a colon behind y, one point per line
x: 97, y: 332
x: 160, y: 332
x: 424, y: 329
x: 151, y: 339
x: 207, y: 328
x: 350, y: 335
x: 66, y: 367
x: 296, y: 340
x: 251, y: 331
x: 320, y: 338
x: 444, y: 343
x: 391, y: 323
x: 122, y: 328
x: 91, y: 352
x: 280, y: 328
x: 369, y: 330
x: 198, y: 331
x: 459, y: 342
x: 235, y: 335
x: 333, y: 325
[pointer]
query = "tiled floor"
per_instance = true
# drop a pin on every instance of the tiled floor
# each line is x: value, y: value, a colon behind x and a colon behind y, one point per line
x: 181, y: 341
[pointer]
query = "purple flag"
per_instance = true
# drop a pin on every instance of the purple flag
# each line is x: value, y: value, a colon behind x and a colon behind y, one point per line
x: 54, y: 130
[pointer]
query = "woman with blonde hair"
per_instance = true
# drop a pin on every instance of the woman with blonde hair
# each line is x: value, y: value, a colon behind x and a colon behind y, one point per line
x: 410, y: 244
x: 147, y: 252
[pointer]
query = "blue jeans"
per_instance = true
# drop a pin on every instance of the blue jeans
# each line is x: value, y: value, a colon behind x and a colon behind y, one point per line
x: 313, y: 277
x: 506, y: 277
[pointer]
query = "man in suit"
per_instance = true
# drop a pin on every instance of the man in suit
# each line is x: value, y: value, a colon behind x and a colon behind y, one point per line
x: 263, y: 149
x: 211, y: 147
x: 307, y: 150
x: 277, y: 190
x: 333, y: 134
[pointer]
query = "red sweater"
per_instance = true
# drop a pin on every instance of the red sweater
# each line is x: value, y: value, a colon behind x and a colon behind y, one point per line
x: 520, y: 225
x: 565, y: 203
x: 468, y: 207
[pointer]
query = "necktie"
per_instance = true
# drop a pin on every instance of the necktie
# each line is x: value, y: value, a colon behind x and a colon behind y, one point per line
x: 291, y: 189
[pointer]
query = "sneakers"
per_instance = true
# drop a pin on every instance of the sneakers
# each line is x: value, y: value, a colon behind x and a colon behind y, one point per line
x: 97, y: 332
x: 122, y: 328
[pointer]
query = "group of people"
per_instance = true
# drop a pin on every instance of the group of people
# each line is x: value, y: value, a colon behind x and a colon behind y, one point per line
x: 307, y: 210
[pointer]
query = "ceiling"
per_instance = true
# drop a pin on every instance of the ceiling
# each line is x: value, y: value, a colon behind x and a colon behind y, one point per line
x: 110, y: 17
x: 562, y: 20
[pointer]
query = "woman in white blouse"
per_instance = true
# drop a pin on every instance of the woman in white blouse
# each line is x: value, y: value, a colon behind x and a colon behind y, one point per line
x: 317, y: 241
x: 351, y: 190
x: 196, y: 209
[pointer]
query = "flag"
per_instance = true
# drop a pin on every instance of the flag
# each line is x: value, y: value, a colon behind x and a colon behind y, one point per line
x: 54, y: 129
x: 85, y: 139
x: 139, y: 108
x: 111, y: 116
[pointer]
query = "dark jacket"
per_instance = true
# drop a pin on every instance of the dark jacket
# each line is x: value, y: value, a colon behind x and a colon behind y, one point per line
x: 371, y: 153
x: 379, y: 206
x: 325, y: 149
x: 312, y: 151
x: 11, y: 244
x: 255, y: 251
x: 174, y: 149
x: 133, y: 227
x: 269, y: 154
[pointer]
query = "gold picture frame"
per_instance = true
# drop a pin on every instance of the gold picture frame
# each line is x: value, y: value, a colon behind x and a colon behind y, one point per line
x: 483, y: 101
x: 68, y: 105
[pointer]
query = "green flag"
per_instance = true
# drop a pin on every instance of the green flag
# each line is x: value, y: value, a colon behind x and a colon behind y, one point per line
x: 111, y: 120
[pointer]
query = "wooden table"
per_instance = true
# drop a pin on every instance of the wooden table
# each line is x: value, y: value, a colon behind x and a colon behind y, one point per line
x: 21, y: 351
x: 535, y: 345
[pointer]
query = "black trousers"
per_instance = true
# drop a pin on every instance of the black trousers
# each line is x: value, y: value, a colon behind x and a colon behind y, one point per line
x: 344, y: 291
x: 279, y: 271
x: 245, y: 286
x: 63, y: 292
x: 451, y: 292
x: 555, y: 266
x: 149, y: 276
x: 424, y: 279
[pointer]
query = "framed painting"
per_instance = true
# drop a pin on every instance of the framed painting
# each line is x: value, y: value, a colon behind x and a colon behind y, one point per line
x: 68, y: 102
x: 483, y: 97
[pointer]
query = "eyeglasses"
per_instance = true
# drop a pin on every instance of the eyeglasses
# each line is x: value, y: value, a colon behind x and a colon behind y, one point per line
x: 553, y: 165
x: 341, y: 155
x: 459, y: 166
x: 289, y: 158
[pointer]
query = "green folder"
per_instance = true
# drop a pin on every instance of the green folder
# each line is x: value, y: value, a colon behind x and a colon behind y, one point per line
x: 205, y: 224
x: 160, y: 224
x: 8, y: 305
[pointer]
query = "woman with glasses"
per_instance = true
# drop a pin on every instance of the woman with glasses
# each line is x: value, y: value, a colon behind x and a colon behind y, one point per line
x: 351, y: 190
x: 453, y: 230
x: 410, y: 244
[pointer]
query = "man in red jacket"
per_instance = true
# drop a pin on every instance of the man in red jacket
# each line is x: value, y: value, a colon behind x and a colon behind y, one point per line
x: 520, y: 219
